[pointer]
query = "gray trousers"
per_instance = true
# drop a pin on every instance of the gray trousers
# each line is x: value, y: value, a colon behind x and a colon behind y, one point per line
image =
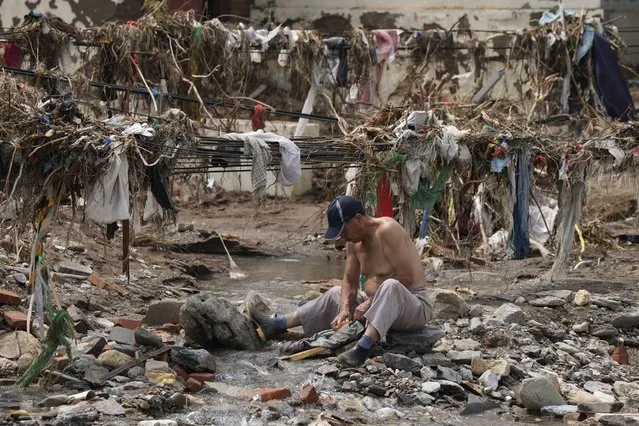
x: 394, y: 307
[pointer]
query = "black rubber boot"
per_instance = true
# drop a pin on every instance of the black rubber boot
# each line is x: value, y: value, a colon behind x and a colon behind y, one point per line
x: 354, y: 357
x: 266, y: 326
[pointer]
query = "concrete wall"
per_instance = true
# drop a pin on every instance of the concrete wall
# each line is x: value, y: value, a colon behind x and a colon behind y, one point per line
x: 81, y: 13
x: 337, y: 15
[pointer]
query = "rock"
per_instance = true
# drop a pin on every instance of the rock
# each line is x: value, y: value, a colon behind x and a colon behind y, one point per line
x: 125, y: 349
x: 452, y: 389
x: 539, y: 392
x: 476, y: 326
x: 462, y: 322
x: 627, y: 390
x: 431, y: 387
x: 114, y: 359
x: 575, y: 395
x: 490, y: 381
x: 214, y: 322
x: 501, y: 368
x: 495, y: 338
x: 436, y: 360
x: 388, y: 414
x: 478, y: 405
x: 443, y: 346
x: 626, y: 321
x: 53, y: 401
x: 401, y: 362
x: 308, y: 394
x: 605, y: 332
x: 617, y: 419
x: 420, y: 341
x: 478, y: 366
x: 109, y: 407
x: 424, y: 399
x: 76, y: 419
x: 17, y: 344
x: 311, y: 295
x: 136, y: 372
x: 193, y: 385
x: 162, y: 378
x: 147, y: 338
x: 463, y: 357
x: 95, y: 347
x: 599, y: 407
x: 582, y: 298
x: 66, y: 267
x: 466, y: 345
x: 520, y: 300
x: 448, y: 374
x: 179, y: 400
x: 158, y: 423
x: 532, y: 351
x: 548, y: 301
x: 565, y: 295
x: 448, y: 305
x: 94, y: 374
x: 16, y: 320
x: 582, y: 327
x: 195, y: 360
x: 20, y: 278
x: 122, y: 335
x: 7, y: 367
x: 605, y: 302
x: 8, y: 297
x: 153, y: 365
x: 509, y: 314
x: 376, y: 390
x: 558, y: 410
x: 163, y: 311
x: 475, y: 311
x: 593, y: 386
x: 328, y: 370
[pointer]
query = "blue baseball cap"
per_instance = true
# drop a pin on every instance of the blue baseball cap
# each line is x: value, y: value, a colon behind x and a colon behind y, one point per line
x: 341, y: 210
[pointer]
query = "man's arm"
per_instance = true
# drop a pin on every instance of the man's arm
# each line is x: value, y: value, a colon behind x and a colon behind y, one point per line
x: 350, y: 286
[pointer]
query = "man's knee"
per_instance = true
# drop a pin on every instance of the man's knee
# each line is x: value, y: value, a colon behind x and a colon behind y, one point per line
x: 391, y: 285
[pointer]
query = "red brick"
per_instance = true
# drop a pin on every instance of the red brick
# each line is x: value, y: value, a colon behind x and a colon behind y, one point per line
x: 180, y: 372
x: 107, y: 347
x: 203, y: 377
x: 308, y: 394
x: 16, y: 319
x: 268, y: 394
x: 99, y: 282
x: 193, y: 385
x: 128, y: 323
x: 8, y: 297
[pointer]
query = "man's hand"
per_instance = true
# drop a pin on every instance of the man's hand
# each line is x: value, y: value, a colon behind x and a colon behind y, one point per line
x: 340, y: 319
x: 362, y: 308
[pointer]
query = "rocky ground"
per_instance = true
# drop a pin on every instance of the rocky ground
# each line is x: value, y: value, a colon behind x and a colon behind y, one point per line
x: 499, y: 349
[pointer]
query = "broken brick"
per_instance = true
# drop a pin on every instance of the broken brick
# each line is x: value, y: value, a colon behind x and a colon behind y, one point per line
x: 8, y: 297
x: 268, y: 394
x: 100, y: 283
x: 308, y: 394
x: 193, y: 385
x: 180, y: 372
x: 16, y: 320
x: 203, y: 377
x: 128, y: 323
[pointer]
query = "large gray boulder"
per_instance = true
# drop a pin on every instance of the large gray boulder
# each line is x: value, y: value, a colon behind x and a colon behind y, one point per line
x: 213, y: 322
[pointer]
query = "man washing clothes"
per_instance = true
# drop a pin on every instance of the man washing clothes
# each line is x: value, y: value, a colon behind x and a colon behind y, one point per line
x: 376, y: 248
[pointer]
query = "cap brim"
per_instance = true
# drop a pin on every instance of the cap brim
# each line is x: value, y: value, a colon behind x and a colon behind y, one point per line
x: 333, y: 232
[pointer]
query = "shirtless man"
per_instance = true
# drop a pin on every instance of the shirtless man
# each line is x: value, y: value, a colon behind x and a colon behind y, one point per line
x: 377, y: 248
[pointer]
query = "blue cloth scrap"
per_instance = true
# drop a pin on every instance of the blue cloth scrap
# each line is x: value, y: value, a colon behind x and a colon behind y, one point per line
x: 498, y: 164
x: 586, y: 44
x: 610, y: 82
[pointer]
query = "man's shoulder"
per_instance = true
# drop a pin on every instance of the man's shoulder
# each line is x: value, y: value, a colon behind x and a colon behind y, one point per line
x: 388, y: 224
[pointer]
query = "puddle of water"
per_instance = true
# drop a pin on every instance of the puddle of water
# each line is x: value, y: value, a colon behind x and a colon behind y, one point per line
x: 280, y: 277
